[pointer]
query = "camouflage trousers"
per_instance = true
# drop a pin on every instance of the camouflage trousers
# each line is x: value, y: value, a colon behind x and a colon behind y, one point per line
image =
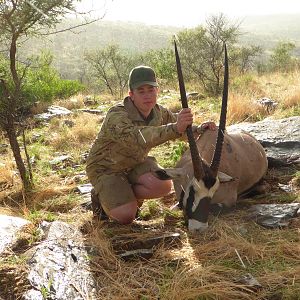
x: 115, y: 189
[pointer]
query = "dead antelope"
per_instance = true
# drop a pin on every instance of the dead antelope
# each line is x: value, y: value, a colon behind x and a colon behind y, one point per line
x: 227, y: 165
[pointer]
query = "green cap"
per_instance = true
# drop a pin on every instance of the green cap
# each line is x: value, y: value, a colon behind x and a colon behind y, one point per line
x: 141, y: 75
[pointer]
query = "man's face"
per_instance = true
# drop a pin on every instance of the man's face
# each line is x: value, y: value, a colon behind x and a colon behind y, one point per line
x: 144, y: 98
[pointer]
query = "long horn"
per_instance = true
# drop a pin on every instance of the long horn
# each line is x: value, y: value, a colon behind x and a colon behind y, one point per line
x: 219, y: 144
x: 196, y: 159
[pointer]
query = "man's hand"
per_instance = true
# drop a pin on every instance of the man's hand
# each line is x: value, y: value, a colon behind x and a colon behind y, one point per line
x: 208, y: 125
x: 184, y: 119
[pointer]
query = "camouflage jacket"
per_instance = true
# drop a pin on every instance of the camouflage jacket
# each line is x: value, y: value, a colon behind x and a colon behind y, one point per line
x: 126, y: 138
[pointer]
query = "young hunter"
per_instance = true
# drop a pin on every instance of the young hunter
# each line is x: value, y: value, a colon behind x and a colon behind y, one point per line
x: 118, y: 165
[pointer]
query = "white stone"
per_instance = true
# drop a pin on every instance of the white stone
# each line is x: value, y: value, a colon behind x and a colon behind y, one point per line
x: 9, y: 227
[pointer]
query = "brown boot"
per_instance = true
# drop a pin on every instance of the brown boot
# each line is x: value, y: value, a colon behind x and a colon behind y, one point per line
x: 98, y: 211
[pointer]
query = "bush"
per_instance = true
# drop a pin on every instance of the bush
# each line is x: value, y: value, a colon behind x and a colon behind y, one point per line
x: 66, y: 88
x: 45, y: 85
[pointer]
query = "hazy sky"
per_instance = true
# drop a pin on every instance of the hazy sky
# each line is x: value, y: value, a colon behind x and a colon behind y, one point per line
x: 186, y: 13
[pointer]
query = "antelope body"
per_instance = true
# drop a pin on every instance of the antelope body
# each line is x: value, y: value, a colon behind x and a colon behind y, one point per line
x: 243, y: 164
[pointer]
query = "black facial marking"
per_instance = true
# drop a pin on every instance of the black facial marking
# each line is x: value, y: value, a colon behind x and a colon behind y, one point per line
x: 202, y: 210
x: 189, y: 203
x: 180, y: 203
x: 209, y: 181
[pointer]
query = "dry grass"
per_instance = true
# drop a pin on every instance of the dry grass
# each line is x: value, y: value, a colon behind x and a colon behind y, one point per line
x: 39, y: 107
x: 205, y: 267
x: 284, y: 89
x: 158, y: 278
x: 7, y: 175
x: 74, y: 102
x: 281, y: 88
x: 175, y: 106
x: 10, y: 183
x: 242, y: 108
x: 244, y: 93
x: 292, y: 100
x: 79, y: 136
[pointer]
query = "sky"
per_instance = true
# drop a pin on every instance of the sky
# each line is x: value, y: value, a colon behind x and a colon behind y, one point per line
x: 185, y: 13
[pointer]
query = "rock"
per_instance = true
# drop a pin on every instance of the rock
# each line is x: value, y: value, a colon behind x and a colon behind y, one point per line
x: 9, y: 228
x: 280, y: 138
x: 84, y: 188
x: 44, y: 227
x: 33, y: 295
x: 192, y: 95
x: 36, y: 137
x: 59, y: 110
x: 129, y: 248
x: 59, y: 159
x: 249, y: 281
x: 84, y: 157
x: 267, y: 103
x: 288, y: 188
x: 59, y: 266
x: 53, y: 111
x: 125, y: 243
x: 85, y: 191
x: 69, y: 123
x: 138, y: 253
x: 273, y: 215
x: 89, y: 100
x: 86, y: 202
x: 91, y: 111
x: 79, y: 177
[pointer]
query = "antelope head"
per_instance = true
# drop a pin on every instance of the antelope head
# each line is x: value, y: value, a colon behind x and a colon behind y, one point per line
x: 195, y: 199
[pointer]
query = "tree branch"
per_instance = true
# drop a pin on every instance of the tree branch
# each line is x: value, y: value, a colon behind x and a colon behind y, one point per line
x: 70, y: 28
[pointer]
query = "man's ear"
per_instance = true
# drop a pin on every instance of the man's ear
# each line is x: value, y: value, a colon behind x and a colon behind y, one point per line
x: 167, y: 174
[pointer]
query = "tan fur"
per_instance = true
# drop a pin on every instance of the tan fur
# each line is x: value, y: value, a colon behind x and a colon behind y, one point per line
x: 243, y: 158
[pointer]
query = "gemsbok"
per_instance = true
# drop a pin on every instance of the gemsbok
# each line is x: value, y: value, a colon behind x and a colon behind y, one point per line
x: 218, y: 167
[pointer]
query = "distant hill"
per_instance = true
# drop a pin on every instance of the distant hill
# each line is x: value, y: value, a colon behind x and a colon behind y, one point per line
x: 68, y: 47
x: 267, y: 31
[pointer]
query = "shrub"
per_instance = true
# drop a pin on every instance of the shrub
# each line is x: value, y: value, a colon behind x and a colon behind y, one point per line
x: 66, y: 88
x: 45, y: 85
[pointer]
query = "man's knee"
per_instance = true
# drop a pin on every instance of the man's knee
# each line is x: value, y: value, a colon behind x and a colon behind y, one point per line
x: 166, y: 186
x: 160, y: 187
x: 125, y: 220
x: 154, y: 184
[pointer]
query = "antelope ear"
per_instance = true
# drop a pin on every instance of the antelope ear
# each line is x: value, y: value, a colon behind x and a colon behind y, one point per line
x: 166, y: 174
x: 223, y: 177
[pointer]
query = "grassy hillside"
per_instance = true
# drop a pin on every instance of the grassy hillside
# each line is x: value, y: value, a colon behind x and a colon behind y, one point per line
x: 275, y: 26
x: 69, y: 47
x: 267, y: 31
